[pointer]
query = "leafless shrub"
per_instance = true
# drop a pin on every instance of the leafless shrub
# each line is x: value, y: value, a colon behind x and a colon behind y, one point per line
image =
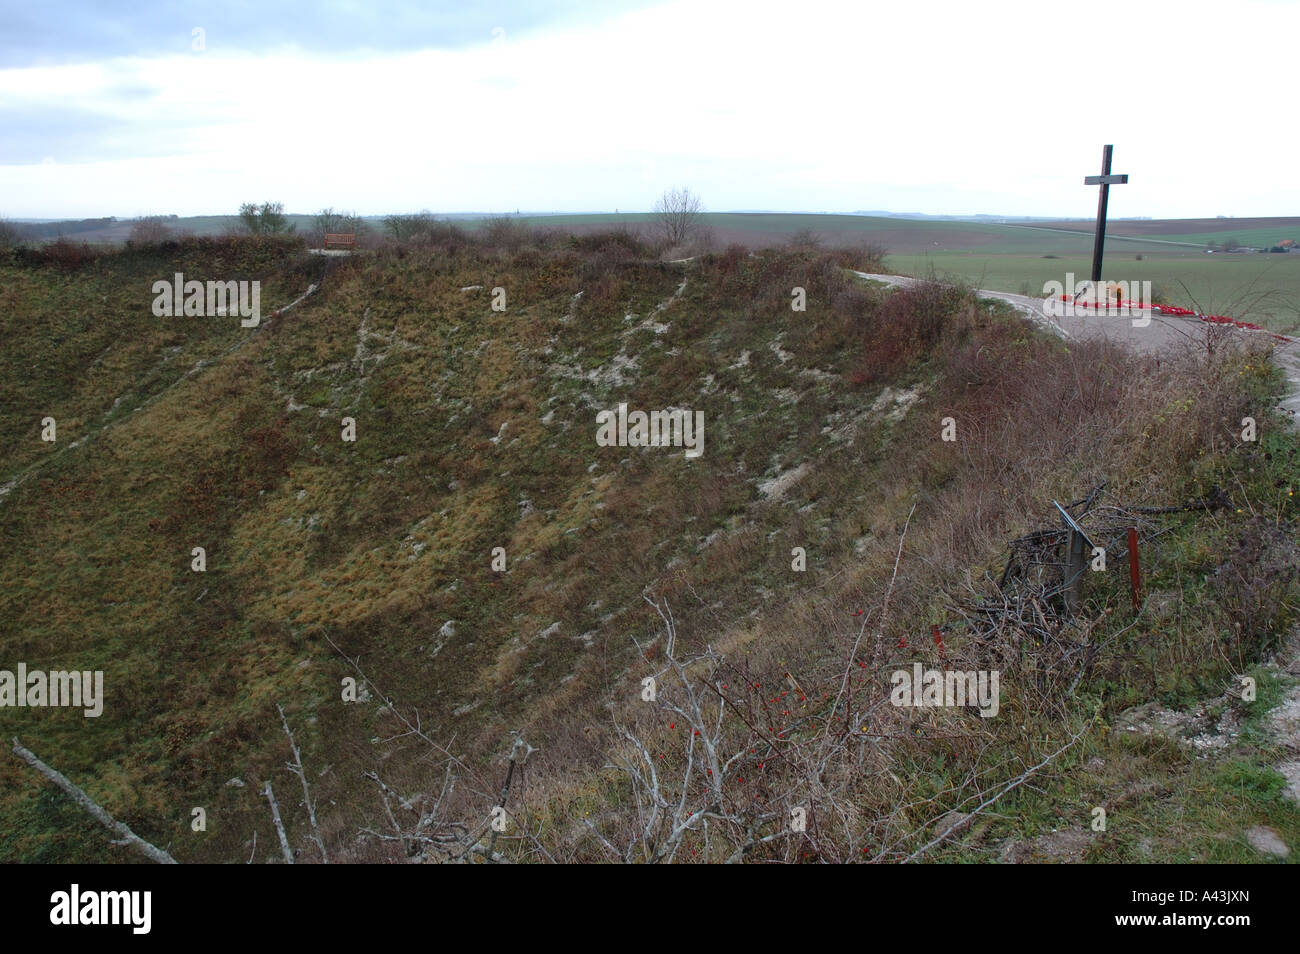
x: 679, y: 213
x: 906, y: 325
x: 150, y: 229
x: 863, y: 256
x: 505, y: 233
x: 430, y: 828
x: 804, y: 240
x: 416, y: 226
x: 619, y: 243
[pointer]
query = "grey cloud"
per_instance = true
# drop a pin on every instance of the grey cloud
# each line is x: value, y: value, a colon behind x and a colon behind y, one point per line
x: 73, y: 31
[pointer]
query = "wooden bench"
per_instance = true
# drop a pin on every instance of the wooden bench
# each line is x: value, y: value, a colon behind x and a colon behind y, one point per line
x: 341, y: 240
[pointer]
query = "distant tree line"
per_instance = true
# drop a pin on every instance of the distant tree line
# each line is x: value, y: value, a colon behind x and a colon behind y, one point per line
x: 41, y: 231
x: 1232, y: 245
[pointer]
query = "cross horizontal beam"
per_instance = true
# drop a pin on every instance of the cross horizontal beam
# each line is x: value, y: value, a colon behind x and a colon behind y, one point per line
x: 1106, y: 180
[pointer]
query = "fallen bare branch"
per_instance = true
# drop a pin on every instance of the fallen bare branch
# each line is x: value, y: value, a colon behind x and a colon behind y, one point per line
x: 128, y: 837
x: 279, y: 825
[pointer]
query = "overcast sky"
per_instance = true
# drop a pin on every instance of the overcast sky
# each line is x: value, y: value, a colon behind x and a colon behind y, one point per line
x: 121, y: 108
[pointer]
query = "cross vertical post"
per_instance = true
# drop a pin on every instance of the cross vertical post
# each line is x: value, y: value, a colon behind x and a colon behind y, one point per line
x: 1105, y: 180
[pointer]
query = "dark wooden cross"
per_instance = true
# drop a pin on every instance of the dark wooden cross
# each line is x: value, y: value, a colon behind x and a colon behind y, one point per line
x: 1105, y: 180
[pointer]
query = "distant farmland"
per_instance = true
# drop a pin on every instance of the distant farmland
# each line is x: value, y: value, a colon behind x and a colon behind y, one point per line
x: 1254, y: 232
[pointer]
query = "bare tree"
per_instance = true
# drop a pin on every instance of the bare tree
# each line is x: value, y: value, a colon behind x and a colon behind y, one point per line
x: 409, y: 226
x: 265, y: 219
x: 352, y: 222
x: 679, y: 213
x: 330, y: 221
x: 327, y: 220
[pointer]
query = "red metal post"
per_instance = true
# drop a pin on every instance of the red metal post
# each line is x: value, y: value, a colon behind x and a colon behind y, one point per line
x: 1134, y: 570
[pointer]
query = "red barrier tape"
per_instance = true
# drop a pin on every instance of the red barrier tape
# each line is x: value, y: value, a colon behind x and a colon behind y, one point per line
x: 1180, y: 312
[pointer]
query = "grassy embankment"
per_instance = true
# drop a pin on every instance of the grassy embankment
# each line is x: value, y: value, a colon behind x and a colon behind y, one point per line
x: 476, y: 430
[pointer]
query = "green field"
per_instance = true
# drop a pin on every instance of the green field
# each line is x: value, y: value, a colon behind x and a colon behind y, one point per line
x: 1252, y: 287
